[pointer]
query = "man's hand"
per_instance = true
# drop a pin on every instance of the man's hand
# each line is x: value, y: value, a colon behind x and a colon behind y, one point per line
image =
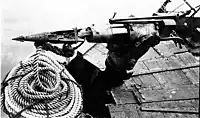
x: 86, y: 33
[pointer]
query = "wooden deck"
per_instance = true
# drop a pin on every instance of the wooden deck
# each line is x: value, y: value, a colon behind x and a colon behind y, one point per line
x: 165, y: 84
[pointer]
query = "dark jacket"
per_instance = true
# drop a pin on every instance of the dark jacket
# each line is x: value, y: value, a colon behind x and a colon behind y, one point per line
x: 95, y: 84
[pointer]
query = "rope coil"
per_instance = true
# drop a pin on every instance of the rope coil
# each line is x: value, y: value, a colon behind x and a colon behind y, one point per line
x: 39, y: 87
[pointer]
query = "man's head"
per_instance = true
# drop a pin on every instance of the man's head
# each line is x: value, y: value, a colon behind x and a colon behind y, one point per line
x: 126, y: 53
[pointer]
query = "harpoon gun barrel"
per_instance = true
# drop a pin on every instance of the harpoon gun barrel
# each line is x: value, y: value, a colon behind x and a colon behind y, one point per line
x: 67, y: 37
x: 150, y: 19
x: 140, y: 19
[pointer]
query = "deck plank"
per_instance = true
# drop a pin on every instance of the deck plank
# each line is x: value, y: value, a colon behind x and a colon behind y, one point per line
x: 124, y: 111
x: 96, y: 57
x: 183, y: 92
x: 101, y: 47
x: 188, y: 59
x: 152, y: 65
x: 174, y: 77
x: 149, y: 81
x: 122, y: 95
x: 133, y: 81
x: 182, y: 106
x: 190, y: 73
x: 168, y: 48
x: 162, y: 79
x: 134, y: 111
x: 150, y: 54
x: 193, y: 73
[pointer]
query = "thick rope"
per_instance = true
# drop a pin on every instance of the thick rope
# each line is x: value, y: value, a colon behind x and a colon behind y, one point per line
x: 39, y: 87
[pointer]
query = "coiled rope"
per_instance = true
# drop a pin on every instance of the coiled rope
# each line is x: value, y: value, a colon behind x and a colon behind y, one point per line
x: 39, y: 87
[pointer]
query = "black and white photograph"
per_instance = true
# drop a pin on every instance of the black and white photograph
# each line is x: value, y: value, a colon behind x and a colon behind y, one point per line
x: 100, y: 58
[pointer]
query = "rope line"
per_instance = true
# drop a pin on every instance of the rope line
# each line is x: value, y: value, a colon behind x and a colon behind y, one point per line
x: 39, y: 87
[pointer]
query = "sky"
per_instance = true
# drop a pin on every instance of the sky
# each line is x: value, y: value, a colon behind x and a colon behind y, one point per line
x: 24, y: 17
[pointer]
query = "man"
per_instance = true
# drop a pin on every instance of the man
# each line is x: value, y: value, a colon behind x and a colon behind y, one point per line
x: 124, y: 51
x: 43, y: 80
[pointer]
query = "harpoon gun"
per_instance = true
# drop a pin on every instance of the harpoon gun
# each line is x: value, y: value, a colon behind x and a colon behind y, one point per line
x: 170, y: 27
